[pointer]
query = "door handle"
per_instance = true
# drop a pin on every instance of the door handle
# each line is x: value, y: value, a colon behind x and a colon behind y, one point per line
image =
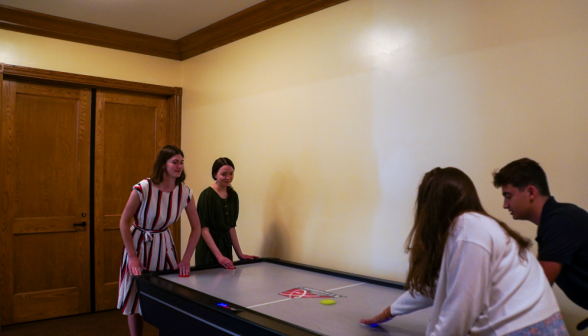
x: 82, y: 224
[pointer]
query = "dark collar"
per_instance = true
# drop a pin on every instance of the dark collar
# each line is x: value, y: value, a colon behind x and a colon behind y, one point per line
x: 547, y: 208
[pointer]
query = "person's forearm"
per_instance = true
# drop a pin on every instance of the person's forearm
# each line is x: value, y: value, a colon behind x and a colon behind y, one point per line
x: 551, y: 270
x: 125, y: 218
x: 192, y: 241
x: 210, y: 243
x: 235, y: 242
x: 407, y: 303
x: 127, y: 239
x: 384, y: 316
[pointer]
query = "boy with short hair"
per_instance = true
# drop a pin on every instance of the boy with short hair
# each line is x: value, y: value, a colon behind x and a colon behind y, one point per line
x: 562, y: 232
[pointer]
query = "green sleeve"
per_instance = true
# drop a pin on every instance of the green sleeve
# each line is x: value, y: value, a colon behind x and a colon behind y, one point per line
x: 205, y: 208
x: 236, y: 208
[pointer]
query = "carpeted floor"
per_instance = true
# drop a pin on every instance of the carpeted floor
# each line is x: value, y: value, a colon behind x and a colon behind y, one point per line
x: 109, y: 323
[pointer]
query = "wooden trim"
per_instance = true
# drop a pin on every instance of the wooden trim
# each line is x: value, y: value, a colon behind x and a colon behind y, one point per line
x: 7, y: 153
x: 84, y: 142
x: 99, y: 202
x: 4, y: 234
x: 265, y: 15
x: 20, y: 72
x: 175, y: 118
x: 174, y: 138
x: 28, y: 22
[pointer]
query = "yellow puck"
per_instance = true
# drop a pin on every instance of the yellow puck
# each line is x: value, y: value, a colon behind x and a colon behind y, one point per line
x: 328, y: 302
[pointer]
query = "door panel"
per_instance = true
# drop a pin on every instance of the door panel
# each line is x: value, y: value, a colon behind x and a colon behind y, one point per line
x: 45, y: 175
x: 130, y: 130
x: 45, y: 304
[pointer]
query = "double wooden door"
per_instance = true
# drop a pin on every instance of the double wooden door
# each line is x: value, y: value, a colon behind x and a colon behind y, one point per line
x: 60, y: 244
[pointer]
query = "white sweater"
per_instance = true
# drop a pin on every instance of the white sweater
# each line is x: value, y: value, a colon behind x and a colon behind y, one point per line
x: 484, y: 287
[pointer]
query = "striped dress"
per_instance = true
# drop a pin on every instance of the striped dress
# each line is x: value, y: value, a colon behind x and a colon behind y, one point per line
x: 152, y: 239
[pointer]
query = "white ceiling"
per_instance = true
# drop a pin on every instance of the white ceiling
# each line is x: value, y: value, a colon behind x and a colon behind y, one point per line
x: 172, y: 19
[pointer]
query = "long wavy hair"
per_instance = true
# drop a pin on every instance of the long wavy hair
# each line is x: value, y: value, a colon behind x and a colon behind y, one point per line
x: 443, y: 195
x: 165, y: 154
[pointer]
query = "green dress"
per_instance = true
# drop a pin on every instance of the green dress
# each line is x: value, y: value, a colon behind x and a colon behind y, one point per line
x: 219, y: 216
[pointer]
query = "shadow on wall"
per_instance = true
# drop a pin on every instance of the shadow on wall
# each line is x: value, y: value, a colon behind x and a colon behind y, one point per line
x: 282, y: 221
x: 304, y: 221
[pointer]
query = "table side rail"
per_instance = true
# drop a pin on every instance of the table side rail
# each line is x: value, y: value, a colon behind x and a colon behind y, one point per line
x: 185, y: 300
x: 340, y: 274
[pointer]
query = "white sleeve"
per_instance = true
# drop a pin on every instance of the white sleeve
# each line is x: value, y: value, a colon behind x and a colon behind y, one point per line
x: 467, y: 287
x: 407, y: 303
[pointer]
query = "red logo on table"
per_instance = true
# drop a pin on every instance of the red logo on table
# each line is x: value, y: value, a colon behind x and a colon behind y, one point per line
x: 305, y: 292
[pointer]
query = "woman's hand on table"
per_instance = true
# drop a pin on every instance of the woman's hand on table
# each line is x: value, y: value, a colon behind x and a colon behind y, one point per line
x: 225, y: 262
x: 135, y: 266
x: 184, y: 267
x: 382, y: 317
x: 247, y: 257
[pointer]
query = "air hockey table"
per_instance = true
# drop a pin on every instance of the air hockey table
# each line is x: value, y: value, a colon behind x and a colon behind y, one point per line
x: 271, y: 297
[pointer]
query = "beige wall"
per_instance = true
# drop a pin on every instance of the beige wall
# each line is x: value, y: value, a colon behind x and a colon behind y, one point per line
x: 51, y: 54
x: 332, y: 119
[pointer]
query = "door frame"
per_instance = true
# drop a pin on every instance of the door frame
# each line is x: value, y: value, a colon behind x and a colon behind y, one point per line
x: 16, y: 72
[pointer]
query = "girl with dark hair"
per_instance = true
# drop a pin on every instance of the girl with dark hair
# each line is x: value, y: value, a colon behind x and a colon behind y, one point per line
x: 154, y: 205
x: 218, y: 207
x: 476, y: 272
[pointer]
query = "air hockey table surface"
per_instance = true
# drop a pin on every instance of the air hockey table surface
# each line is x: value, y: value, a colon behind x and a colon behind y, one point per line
x: 271, y: 297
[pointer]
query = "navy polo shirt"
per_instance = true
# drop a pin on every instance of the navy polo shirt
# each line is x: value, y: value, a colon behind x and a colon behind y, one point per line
x: 563, y: 237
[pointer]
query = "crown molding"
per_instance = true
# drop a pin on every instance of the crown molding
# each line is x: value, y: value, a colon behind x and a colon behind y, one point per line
x: 265, y: 15
x: 28, y: 22
x: 33, y: 74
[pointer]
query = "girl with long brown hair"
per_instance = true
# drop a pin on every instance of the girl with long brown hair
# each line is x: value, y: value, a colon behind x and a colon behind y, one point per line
x: 154, y: 205
x: 476, y: 272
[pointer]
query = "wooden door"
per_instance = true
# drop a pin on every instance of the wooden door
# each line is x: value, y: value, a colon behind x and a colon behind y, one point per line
x: 44, y: 193
x: 130, y: 130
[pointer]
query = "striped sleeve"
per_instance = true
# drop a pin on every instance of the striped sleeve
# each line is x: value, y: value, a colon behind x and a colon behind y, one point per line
x: 141, y: 188
x: 185, y: 198
x: 189, y: 195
